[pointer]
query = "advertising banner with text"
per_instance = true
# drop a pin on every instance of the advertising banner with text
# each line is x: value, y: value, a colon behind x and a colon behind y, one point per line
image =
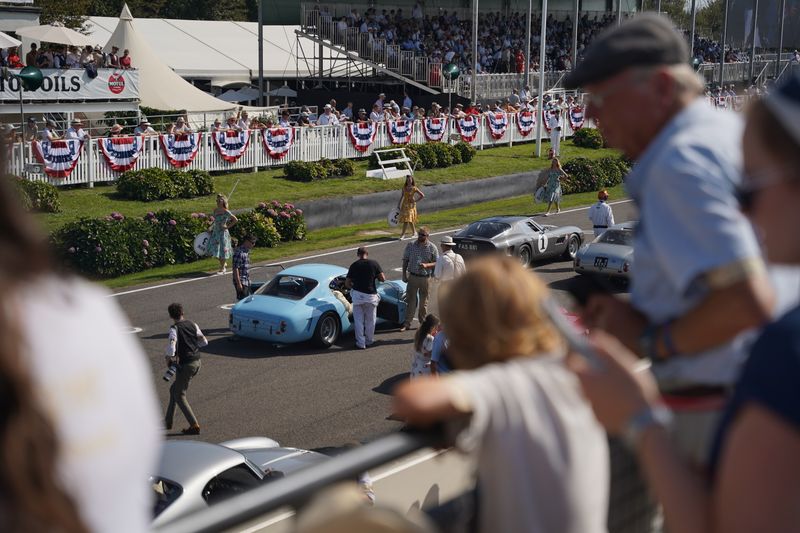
x: 75, y: 84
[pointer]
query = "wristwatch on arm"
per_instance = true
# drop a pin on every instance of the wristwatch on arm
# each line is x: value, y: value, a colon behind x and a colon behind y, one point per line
x: 641, y: 421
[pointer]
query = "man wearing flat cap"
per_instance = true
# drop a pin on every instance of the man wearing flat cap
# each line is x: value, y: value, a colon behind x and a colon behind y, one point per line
x: 699, y: 281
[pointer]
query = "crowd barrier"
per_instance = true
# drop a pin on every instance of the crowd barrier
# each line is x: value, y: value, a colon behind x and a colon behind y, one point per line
x: 308, y: 144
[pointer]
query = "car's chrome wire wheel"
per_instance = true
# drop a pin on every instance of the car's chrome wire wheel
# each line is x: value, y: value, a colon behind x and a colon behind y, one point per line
x: 573, y: 246
x: 525, y: 256
x: 329, y: 329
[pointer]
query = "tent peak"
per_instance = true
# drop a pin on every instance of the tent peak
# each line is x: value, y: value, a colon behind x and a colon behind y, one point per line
x: 126, y: 13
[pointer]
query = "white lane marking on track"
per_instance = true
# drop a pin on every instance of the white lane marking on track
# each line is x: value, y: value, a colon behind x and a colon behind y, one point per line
x: 132, y: 330
x: 227, y: 307
x: 324, y: 254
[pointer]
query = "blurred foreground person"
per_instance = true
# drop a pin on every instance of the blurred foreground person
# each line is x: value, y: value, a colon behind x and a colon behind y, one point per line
x: 699, y: 281
x: 542, y: 457
x: 79, y: 434
x: 755, y: 461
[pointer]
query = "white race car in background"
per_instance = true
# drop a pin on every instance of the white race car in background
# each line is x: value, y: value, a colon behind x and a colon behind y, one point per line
x: 610, y: 254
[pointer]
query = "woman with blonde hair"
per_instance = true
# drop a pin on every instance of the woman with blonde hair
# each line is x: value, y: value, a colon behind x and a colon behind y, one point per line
x: 408, y: 206
x: 219, y: 245
x: 542, y: 459
x: 552, y: 190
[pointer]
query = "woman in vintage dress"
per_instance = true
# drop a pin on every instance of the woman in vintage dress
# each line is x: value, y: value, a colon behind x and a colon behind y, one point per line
x: 408, y: 206
x: 219, y: 245
x: 552, y: 191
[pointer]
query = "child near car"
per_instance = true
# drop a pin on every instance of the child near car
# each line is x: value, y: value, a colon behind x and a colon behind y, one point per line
x: 423, y: 345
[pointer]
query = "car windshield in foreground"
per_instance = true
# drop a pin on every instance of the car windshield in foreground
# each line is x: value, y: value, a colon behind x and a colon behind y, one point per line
x: 484, y: 229
x: 617, y: 236
x: 165, y: 492
x: 286, y: 286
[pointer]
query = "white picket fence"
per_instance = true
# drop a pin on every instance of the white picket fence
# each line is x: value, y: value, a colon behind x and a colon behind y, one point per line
x: 310, y: 144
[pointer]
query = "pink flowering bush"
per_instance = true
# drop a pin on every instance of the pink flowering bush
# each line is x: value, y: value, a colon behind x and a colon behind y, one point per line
x: 288, y: 220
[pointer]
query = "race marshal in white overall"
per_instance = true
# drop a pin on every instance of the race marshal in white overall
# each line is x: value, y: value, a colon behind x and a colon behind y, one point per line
x: 601, y: 214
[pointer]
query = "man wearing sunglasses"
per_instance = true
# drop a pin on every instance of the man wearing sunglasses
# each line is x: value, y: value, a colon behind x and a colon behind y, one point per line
x: 699, y: 281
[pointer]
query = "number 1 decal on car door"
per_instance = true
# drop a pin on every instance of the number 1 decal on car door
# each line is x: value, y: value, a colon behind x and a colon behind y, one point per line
x: 542, y: 243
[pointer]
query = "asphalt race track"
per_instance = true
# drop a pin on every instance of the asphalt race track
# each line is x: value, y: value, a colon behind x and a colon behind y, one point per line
x: 298, y: 395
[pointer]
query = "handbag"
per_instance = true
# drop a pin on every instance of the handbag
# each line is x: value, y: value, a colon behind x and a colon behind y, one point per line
x: 538, y: 196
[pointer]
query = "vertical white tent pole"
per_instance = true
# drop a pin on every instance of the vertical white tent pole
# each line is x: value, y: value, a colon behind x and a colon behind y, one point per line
x: 260, y: 53
x: 694, y: 20
x: 753, y: 43
x: 575, y: 34
x: 528, y: 46
x: 780, y: 40
x: 474, y: 51
x: 540, y: 105
x: 724, y: 38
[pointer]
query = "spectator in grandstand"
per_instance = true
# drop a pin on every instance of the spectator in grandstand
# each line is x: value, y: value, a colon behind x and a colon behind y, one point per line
x: 407, y: 100
x: 113, y: 57
x: 303, y: 120
x: 687, y: 311
x: 49, y: 132
x: 362, y: 115
x: 13, y: 60
x: 347, y: 112
x: 231, y: 123
x: 284, y: 121
x: 377, y: 113
x: 145, y: 129
x: 60, y: 57
x: 758, y: 437
x: 68, y: 453
x: 87, y: 56
x: 115, y: 131
x: 242, y: 120
x: 514, y: 98
x: 73, y: 57
x: 380, y: 101
x: 406, y: 114
x: 99, y: 57
x: 32, y: 55
x: 327, y: 118
x: 31, y: 130
x: 125, y: 60
x: 542, y: 458
x: 76, y: 131
x: 180, y: 126
x: 45, y: 58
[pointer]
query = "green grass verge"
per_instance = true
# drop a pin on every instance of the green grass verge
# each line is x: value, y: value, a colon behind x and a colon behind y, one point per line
x: 332, y: 238
x: 269, y: 185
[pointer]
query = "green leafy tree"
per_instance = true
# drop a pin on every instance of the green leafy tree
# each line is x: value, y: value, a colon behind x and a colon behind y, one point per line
x: 710, y: 19
x: 71, y: 14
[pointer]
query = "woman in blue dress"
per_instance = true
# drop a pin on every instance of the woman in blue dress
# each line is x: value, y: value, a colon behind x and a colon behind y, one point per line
x: 219, y: 245
x: 552, y: 191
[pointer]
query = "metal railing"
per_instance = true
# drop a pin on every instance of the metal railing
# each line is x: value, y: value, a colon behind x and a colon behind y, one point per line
x: 296, y: 489
x: 310, y: 144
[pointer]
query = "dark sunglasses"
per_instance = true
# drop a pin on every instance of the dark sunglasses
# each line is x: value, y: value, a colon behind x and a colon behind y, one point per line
x: 747, y: 192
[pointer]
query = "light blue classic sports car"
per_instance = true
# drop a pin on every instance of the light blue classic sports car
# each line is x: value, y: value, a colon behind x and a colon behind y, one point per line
x: 308, y: 302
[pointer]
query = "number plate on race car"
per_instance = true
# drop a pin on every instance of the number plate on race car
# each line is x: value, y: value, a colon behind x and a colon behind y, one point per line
x: 601, y: 262
x: 472, y: 247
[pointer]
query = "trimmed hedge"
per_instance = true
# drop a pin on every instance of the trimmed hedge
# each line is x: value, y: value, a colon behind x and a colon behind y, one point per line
x: 432, y: 155
x: 588, y: 138
x: 116, y: 245
x: 152, y: 184
x: 318, y: 170
x: 38, y: 195
x: 588, y: 175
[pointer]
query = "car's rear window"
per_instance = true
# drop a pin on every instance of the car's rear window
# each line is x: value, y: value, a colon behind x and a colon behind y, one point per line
x: 616, y: 236
x: 286, y: 286
x: 484, y: 229
x: 165, y: 492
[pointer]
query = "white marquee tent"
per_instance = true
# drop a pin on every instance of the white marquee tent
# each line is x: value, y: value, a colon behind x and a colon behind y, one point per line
x: 159, y: 86
x: 224, y: 52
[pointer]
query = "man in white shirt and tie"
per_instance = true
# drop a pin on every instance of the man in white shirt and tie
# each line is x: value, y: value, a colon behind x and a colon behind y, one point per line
x: 601, y: 214
x: 449, y: 265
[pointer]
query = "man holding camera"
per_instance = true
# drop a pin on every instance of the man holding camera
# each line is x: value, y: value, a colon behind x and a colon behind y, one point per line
x: 183, y: 362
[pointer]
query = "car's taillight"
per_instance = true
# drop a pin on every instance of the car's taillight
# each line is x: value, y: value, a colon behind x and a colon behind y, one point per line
x: 283, y: 326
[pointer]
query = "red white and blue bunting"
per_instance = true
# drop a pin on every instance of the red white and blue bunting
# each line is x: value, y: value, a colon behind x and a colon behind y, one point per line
x: 362, y: 134
x: 400, y: 131
x: 58, y: 157
x: 467, y: 128
x: 545, y: 114
x: 576, y: 117
x: 231, y: 144
x: 525, y: 122
x: 277, y: 141
x: 121, y: 153
x: 498, y: 124
x: 180, y: 149
x: 434, y: 129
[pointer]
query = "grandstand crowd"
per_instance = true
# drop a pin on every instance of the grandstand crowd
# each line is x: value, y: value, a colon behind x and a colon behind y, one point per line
x: 446, y: 38
x: 59, y: 56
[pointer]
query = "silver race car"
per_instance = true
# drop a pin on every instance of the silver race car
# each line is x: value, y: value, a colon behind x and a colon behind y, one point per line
x: 193, y: 475
x: 518, y: 236
x: 610, y: 254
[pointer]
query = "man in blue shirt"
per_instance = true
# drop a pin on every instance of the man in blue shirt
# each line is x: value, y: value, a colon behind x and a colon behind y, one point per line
x: 241, y: 267
x: 699, y: 281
